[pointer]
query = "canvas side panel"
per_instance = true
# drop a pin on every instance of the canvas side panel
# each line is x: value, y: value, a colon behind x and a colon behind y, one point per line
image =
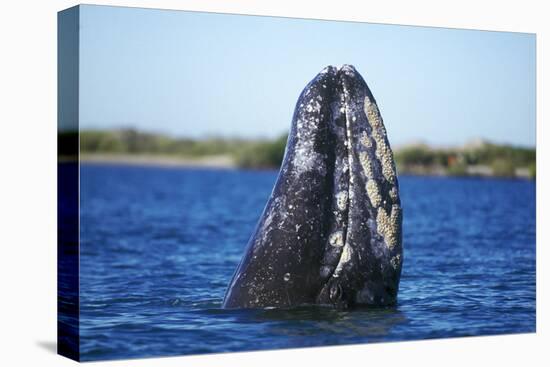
x: 68, y: 184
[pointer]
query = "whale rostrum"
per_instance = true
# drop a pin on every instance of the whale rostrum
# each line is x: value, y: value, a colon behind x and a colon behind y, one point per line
x: 330, y: 233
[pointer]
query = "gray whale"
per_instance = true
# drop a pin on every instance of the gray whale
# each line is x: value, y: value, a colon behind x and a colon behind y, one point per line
x: 330, y: 233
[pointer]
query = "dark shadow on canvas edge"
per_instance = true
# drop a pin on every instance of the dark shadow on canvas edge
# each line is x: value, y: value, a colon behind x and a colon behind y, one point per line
x: 48, y: 345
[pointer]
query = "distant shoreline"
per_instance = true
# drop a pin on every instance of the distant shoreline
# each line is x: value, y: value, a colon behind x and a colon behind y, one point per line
x: 214, y: 161
x: 228, y: 162
x: 479, y: 158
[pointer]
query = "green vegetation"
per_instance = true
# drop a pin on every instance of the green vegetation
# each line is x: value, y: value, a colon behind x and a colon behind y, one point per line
x: 532, y: 169
x: 458, y: 169
x: 245, y: 153
x: 503, y: 168
x: 266, y: 154
x: 479, y: 159
x: 421, y: 155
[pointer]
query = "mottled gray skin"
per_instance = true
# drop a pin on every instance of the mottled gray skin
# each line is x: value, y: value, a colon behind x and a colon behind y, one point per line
x: 330, y: 233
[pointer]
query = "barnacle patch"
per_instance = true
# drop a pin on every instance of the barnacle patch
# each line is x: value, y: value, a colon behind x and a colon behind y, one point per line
x: 336, y: 239
x: 389, y: 226
x: 373, y: 192
x: 342, y: 200
x: 383, y: 151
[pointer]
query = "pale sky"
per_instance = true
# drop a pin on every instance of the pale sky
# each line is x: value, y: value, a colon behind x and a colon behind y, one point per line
x: 199, y: 74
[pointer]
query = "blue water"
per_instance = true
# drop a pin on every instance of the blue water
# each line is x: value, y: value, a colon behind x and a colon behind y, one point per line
x: 159, y: 245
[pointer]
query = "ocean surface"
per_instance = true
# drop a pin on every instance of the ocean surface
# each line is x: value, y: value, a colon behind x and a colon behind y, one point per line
x: 159, y: 246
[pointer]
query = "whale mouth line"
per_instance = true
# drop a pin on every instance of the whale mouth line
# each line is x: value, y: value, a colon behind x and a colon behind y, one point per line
x: 348, y: 144
x: 343, y: 108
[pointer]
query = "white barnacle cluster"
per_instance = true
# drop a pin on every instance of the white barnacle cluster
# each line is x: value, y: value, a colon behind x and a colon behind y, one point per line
x: 396, y: 261
x: 366, y: 163
x: 373, y: 192
x: 336, y: 239
x: 305, y: 159
x: 366, y: 160
x: 372, y: 186
x: 389, y: 226
x: 383, y: 151
x: 344, y: 258
x: 350, y: 154
x: 345, y: 166
x: 342, y: 200
x: 314, y: 105
x: 365, y: 140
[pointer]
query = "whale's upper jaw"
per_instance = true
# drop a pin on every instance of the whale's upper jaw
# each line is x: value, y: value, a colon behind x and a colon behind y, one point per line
x: 331, y: 230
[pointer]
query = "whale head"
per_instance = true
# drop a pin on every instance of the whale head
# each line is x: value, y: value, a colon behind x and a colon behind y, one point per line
x: 330, y: 233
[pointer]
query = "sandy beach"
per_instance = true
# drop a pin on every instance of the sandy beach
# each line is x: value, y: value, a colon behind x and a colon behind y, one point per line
x: 214, y: 161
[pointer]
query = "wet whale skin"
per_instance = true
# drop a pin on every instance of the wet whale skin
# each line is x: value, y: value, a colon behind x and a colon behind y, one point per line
x: 330, y: 233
